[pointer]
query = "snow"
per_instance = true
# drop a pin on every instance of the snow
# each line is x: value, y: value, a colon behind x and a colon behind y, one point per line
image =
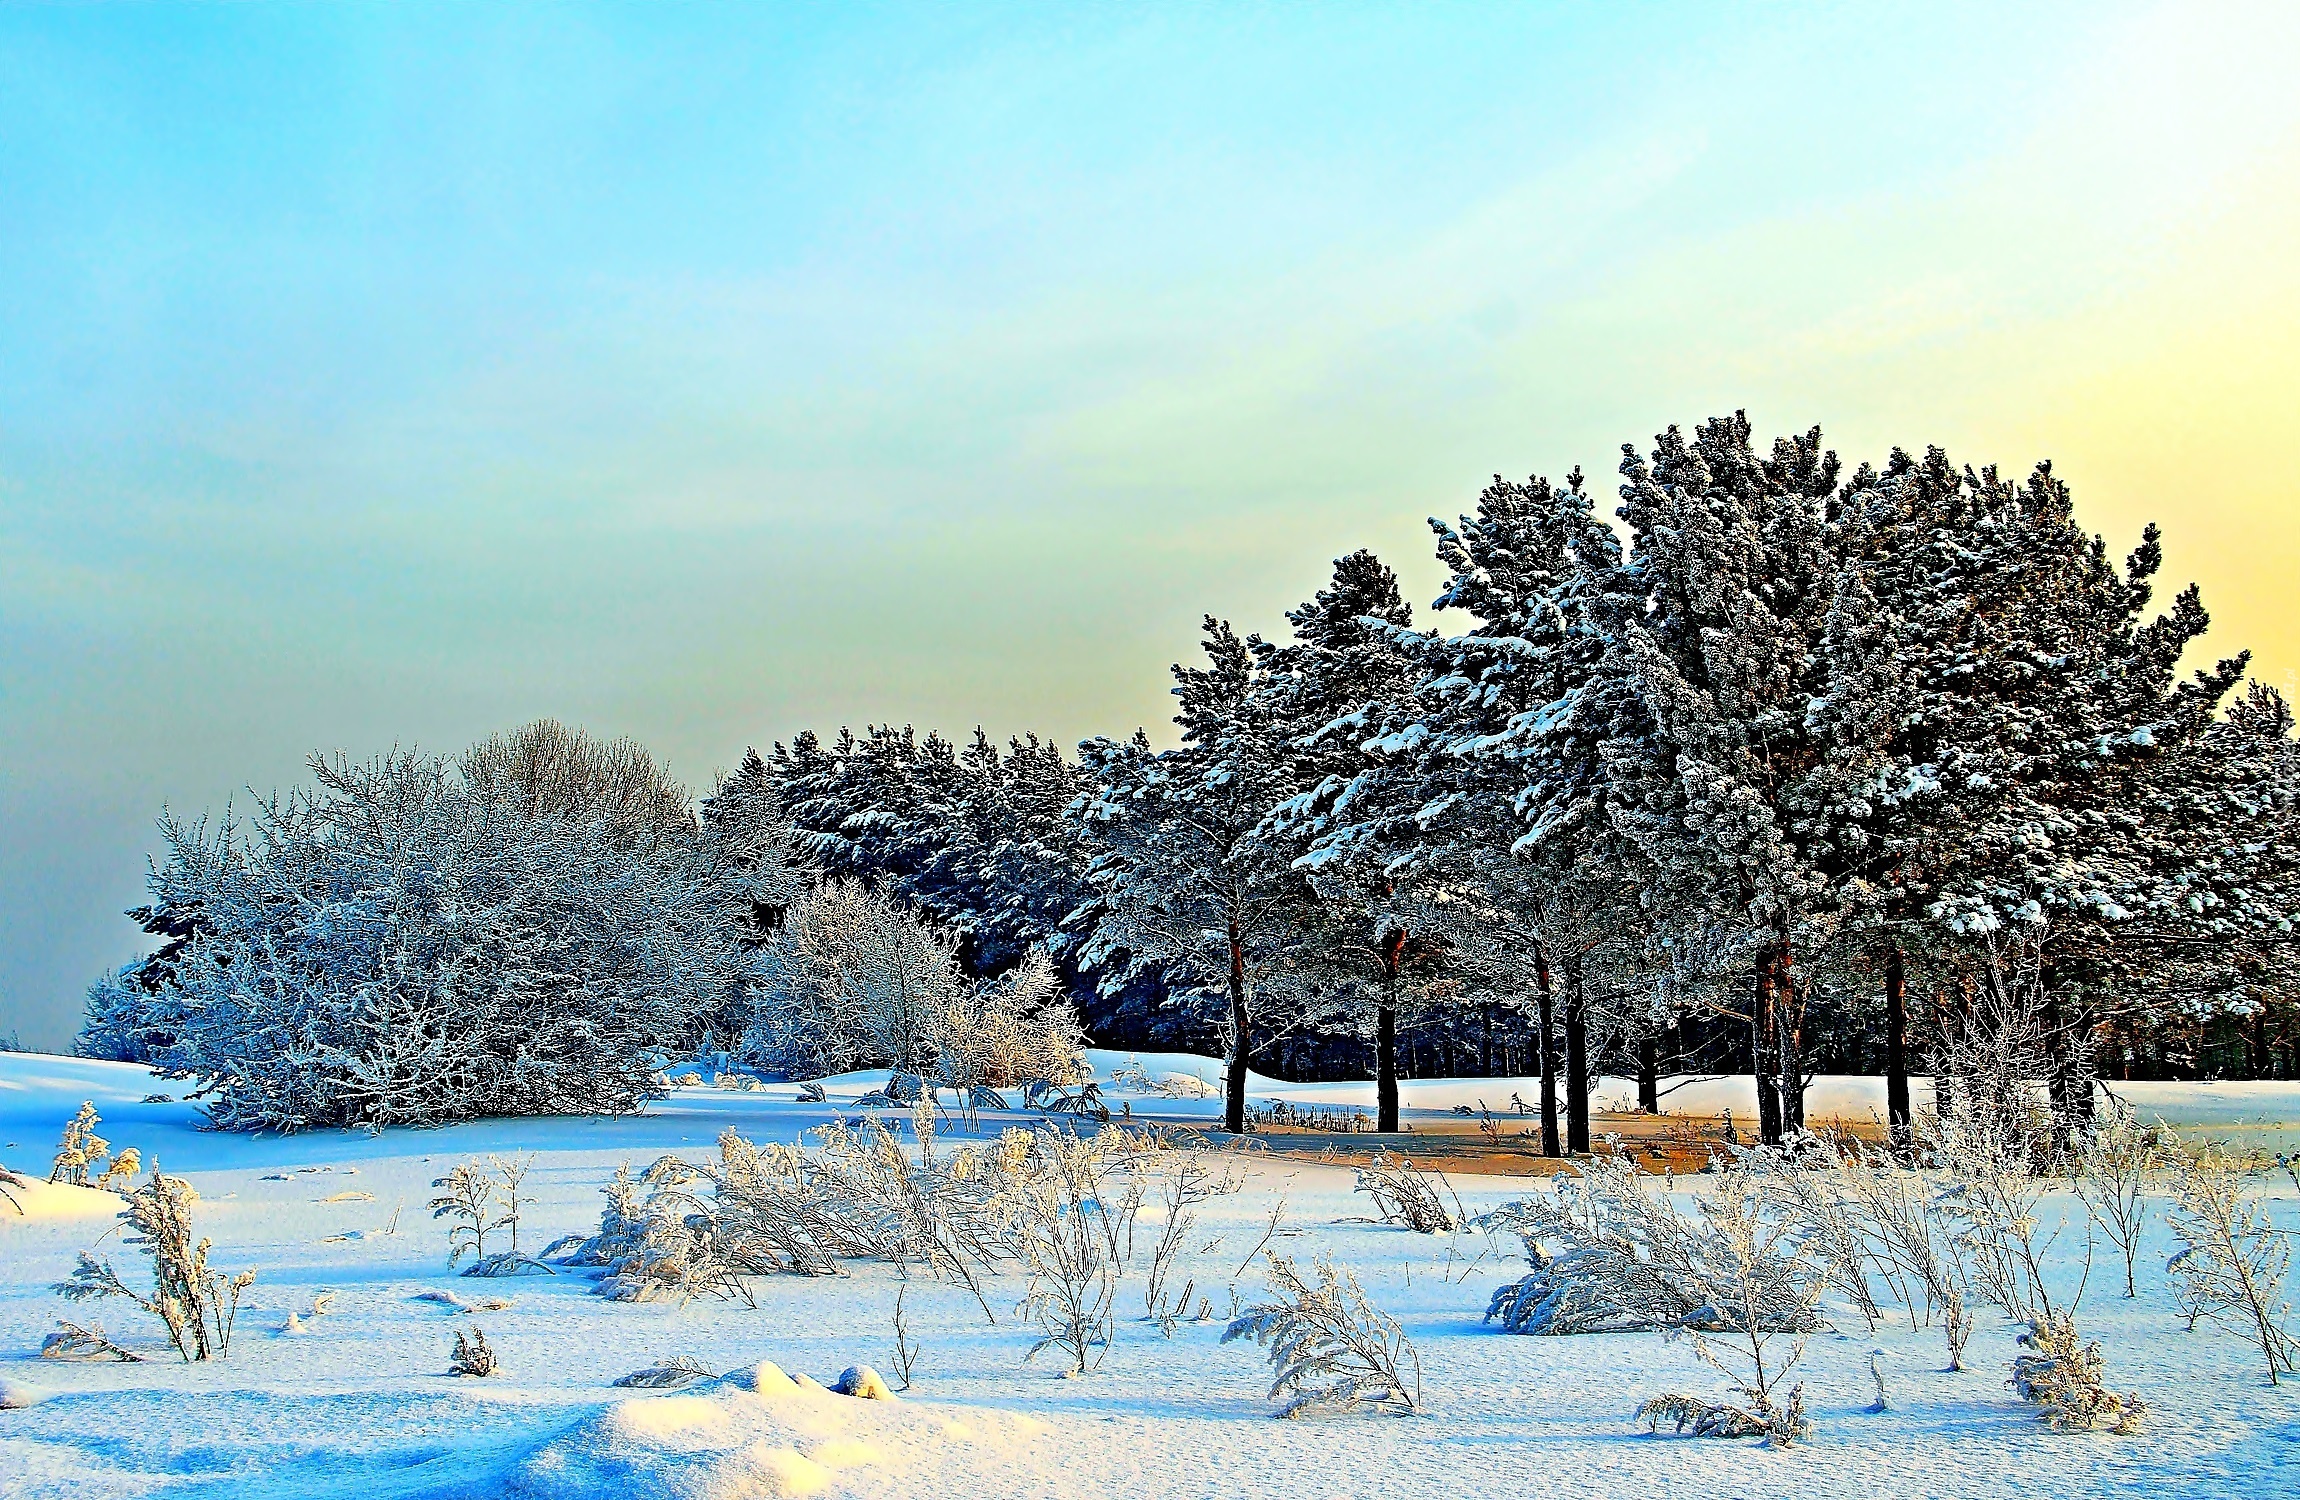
x: 357, y: 1401
x: 37, y: 1198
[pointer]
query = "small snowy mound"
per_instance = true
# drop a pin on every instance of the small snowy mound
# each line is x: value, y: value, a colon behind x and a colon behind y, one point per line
x: 863, y: 1382
x: 32, y: 1197
x: 764, y: 1433
x: 15, y: 1395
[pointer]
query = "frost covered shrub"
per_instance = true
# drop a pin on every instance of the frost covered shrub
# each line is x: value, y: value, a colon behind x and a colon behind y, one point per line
x: 199, y: 1306
x: 479, y: 1201
x: 2063, y: 1376
x: 1890, y: 1209
x: 1014, y: 1030
x: 1990, y: 1156
x: 665, y: 1374
x: 72, y: 1342
x: 81, y: 1150
x: 473, y: 1355
x: 411, y: 941
x: 851, y: 980
x: 704, y: 1226
x: 1778, y: 1425
x: 1804, y: 1183
x: 2109, y: 1173
x: 1761, y: 1291
x: 1612, y: 1254
x: 854, y: 979
x: 1331, y: 1348
x: 2230, y: 1266
x: 1402, y: 1195
x: 1065, y: 1229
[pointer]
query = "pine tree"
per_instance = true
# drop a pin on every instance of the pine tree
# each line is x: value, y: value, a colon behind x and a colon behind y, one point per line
x: 1181, y: 884
x: 1328, y: 690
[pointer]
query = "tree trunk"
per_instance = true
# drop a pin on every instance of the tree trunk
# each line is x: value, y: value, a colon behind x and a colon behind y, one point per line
x: 1649, y: 1075
x: 1789, y: 1021
x: 1234, y: 1093
x: 1548, y: 1049
x: 1899, y: 1119
x: 2070, y: 1086
x: 1764, y: 1063
x: 1576, y: 1062
x: 1393, y: 947
x: 1386, y: 1068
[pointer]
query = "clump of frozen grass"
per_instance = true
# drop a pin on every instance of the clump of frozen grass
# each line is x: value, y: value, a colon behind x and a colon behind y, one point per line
x: 2062, y: 1375
x: 199, y: 1306
x: 2230, y: 1267
x: 1402, y: 1195
x: 455, y: 1303
x: 2109, y: 1173
x: 1780, y: 1426
x: 72, y: 1342
x: 665, y: 1374
x: 704, y: 1226
x: 1613, y: 1254
x: 473, y: 1355
x: 1332, y: 1350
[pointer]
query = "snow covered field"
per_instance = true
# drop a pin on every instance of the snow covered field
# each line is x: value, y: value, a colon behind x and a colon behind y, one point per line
x: 359, y: 1402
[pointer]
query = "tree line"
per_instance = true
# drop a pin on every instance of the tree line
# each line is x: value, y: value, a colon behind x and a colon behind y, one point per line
x: 1781, y: 769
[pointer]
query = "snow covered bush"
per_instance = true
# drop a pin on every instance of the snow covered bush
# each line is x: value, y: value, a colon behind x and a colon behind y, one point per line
x: 705, y: 1225
x: 1779, y: 1426
x: 1065, y: 1228
x: 851, y: 980
x: 199, y: 1306
x: 1891, y: 1209
x: 1991, y: 1154
x: 473, y: 1355
x: 2230, y: 1266
x: 1014, y: 1030
x: 412, y: 940
x: 1612, y: 1254
x: 1803, y: 1183
x: 2109, y: 1173
x: 2063, y: 1376
x: 1748, y: 1255
x: 665, y: 1374
x: 72, y: 1342
x: 855, y: 979
x: 1181, y: 1191
x: 1403, y: 1196
x: 1332, y: 1350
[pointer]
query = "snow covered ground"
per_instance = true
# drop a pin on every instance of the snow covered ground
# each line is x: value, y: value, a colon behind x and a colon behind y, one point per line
x: 358, y: 1403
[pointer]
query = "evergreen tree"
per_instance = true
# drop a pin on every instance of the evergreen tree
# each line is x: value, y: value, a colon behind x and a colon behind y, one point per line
x: 1182, y: 885
x: 1328, y: 690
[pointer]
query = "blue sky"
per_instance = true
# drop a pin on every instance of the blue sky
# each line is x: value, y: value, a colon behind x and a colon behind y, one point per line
x: 396, y: 373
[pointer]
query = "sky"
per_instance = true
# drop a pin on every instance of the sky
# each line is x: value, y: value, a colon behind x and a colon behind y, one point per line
x: 391, y: 374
